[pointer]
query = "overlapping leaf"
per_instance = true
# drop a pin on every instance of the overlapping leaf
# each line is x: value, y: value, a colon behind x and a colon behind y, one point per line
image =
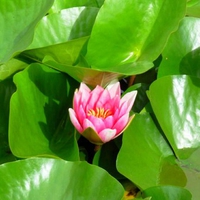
x: 39, y: 122
x: 10, y: 67
x: 167, y: 193
x: 175, y: 101
x: 66, y: 25
x: 181, y: 43
x: 63, y: 4
x: 125, y: 31
x: 17, y: 21
x: 145, y: 157
x: 6, y: 90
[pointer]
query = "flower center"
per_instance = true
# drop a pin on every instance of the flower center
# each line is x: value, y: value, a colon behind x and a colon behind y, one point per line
x: 99, y: 112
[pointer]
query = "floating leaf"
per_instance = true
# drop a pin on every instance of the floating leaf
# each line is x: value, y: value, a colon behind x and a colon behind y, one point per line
x: 17, y: 21
x: 38, y: 114
x: 180, y: 43
x: 174, y: 100
x: 10, y: 67
x: 145, y: 157
x: 167, y: 193
x: 7, y: 88
x: 42, y: 178
x: 125, y: 31
x: 68, y: 24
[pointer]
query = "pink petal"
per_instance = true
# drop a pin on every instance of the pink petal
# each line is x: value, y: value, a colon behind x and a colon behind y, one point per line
x: 76, y: 100
x: 129, y: 121
x: 115, y: 102
x: 114, y: 89
x: 109, y: 121
x: 116, y: 114
x: 87, y: 123
x: 81, y: 96
x: 121, y: 123
x: 98, y: 123
x: 123, y: 109
x: 84, y: 99
x: 103, y: 99
x: 94, y: 96
x: 129, y: 98
x: 74, y: 120
x: 84, y: 88
x: 107, y: 134
x: 80, y: 113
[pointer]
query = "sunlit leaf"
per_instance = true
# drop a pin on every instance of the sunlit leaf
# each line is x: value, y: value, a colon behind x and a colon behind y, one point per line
x: 63, y: 4
x: 193, y: 7
x: 125, y: 31
x: 66, y: 25
x: 175, y: 102
x: 145, y: 157
x: 42, y: 178
x: 17, y: 21
x: 10, y: 67
x: 64, y: 53
x: 180, y: 43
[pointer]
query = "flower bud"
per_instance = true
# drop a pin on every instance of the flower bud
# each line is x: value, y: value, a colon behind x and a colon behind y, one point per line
x: 101, y: 115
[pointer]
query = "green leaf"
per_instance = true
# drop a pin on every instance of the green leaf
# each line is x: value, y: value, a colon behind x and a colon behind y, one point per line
x: 63, y: 4
x: 66, y: 25
x: 193, y: 7
x: 180, y: 43
x: 10, y: 67
x: 167, y: 193
x: 17, y: 21
x: 190, y: 63
x: 64, y: 53
x: 125, y: 31
x: 39, y: 121
x: 145, y: 157
x: 175, y: 102
x: 105, y: 158
x: 89, y: 76
x: 42, y: 178
x: 7, y: 88
x: 130, y: 68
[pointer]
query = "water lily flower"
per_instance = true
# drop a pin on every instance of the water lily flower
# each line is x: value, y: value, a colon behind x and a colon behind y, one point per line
x: 101, y: 115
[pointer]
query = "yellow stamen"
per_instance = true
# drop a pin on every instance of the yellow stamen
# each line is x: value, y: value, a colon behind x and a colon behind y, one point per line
x: 99, y: 112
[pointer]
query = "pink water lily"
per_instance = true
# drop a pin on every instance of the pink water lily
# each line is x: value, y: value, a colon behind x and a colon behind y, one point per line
x: 101, y: 115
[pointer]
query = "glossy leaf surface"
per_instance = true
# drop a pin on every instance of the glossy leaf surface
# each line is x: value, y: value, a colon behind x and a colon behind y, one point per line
x: 42, y: 178
x: 64, y: 53
x: 125, y: 31
x: 10, y: 67
x: 63, y: 4
x: 17, y: 21
x: 38, y: 121
x: 175, y: 101
x: 193, y: 7
x: 180, y: 43
x: 190, y: 64
x: 66, y: 25
x: 145, y: 158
